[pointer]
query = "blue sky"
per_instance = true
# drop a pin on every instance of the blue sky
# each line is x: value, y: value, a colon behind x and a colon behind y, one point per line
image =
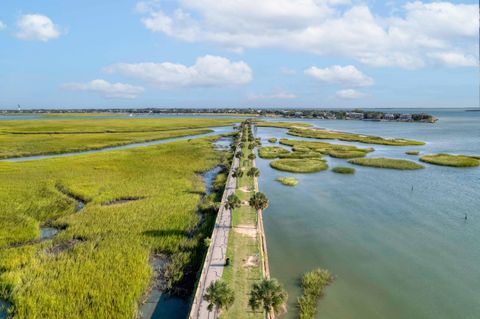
x: 228, y: 53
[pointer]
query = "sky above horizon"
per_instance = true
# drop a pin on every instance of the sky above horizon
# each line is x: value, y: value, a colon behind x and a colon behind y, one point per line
x: 232, y: 53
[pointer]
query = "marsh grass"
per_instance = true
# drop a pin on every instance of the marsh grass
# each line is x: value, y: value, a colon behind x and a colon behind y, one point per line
x: 313, y: 285
x: 333, y: 150
x: 281, y: 124
x: 351, y: 137
x: 272, y: 140
x: 451, y: 160
x: 343, y: 170
x: 269, y: 152
x: 105, y: 270
x: 382, y: 162
x: 287, y: 181
x: 307, y: 165
x: 412, y: 152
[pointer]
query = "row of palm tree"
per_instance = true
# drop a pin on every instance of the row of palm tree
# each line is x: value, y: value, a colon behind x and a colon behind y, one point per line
x: 268, y: 295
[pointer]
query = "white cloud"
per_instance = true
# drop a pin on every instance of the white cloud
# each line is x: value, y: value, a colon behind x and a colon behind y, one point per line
x: 2, y: 26
x: 107, y: 89
x: 207, y: 71
x: 324, y: 27
x: 281, y: 95
x: 344, y: 75
x: 349, y: 94
x: 454, y: 59
x: 36, y: 27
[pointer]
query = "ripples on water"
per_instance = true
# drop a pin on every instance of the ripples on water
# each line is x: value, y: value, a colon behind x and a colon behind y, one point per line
x: 397, y: 253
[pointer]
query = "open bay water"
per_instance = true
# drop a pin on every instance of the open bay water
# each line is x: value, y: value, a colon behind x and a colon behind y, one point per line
x: 395, y: 253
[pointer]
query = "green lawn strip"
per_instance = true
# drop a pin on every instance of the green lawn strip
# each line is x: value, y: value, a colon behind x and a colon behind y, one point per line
x: 382, y: 162
x: 451, y: 160
x: 351, y: 137
x: 101, y: 258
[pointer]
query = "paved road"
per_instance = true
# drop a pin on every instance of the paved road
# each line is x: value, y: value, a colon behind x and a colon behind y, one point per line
x: 216, y: 260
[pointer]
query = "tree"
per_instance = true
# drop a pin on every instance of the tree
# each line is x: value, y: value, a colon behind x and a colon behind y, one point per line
x: 219, y: 295
x: 251, y: 146
x: 268, y: 294
x: 238, y: 173
x: 238, y: 154
x: 233, y: 202
x: 251, y: 156
x: 259, y: 201
x: 253, y: 172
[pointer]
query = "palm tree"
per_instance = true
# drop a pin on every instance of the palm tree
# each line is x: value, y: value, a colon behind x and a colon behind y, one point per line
x: 219, y: 295
x: 268, y: 294
x: 253, y: 172
x: 259, y: 201
x: 251, y: 146
x: 233, y: 202
x: 239, y: 154
x: 251, y: 156
x: 238, y: 173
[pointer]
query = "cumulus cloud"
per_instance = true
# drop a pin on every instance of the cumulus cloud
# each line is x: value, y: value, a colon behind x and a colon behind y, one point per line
x: 344, y: 75
x: 107, y: 89
x: 281, y: 95
x: 36, y: 27
x: 334, y: 27
x: 2, y: 25
x: 349, y: 94
x: 454, y: 59
x: 208, y: 71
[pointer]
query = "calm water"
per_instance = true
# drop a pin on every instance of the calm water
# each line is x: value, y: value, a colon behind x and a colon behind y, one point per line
x: 396, y: 253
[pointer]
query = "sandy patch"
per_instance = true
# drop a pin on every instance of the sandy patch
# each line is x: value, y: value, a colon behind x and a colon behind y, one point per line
x: 252, y: 261
x: 244, y: 189
x: 247, y: 230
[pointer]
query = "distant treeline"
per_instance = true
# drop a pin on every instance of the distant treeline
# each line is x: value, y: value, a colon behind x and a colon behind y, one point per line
x: 355, y: 114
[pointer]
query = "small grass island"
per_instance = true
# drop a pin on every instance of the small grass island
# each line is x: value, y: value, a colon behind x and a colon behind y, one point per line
x: 343, y: 170
x: 412, y: 152
x: 382, y: 162
x: 269, y: 152
x: 307, y: 165
x: 287, y: 181
x: 272, y: 140
x: 450, y: 160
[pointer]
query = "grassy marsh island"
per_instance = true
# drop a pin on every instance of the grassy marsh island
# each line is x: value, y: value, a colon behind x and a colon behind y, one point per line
x: 343, y: 170
x: 287, y: 181
x: 313, y: 285
x: 412, y: 152
x: 382, y: 162
x: 350, y: 137
x: 272, y: 140
x: 333, y: 150
x: 307, y: 165
x: 288, y: 125
x: 451, y: 160
x: 269, y: 152
x: 101, y: 256
x: 27, y: 138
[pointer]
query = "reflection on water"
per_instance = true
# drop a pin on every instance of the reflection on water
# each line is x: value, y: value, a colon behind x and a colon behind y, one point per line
x: 397, y: 253
x: 47, y: 232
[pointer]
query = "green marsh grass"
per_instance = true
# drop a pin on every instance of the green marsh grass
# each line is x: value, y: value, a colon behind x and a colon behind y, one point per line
x: 313, y: 285
x: 351, y: 137
x: 269, y: 152
x: 287, y: 181
x: 343, y: 170
x: 103, y: 269
x: 382, y: 162
x: 307, y: 165
x: 333, y: 150
x: 450, y: 160
x: 412, y: 152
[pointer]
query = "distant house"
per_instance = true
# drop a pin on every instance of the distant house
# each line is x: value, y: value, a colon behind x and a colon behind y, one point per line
x: 389, y: 117
x: 405, y: 117
x: 298, y: 114
x: 354, y: 115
